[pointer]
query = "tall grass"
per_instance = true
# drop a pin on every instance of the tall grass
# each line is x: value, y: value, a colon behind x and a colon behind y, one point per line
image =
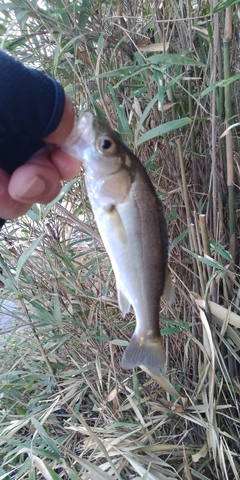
x: 167, y: 78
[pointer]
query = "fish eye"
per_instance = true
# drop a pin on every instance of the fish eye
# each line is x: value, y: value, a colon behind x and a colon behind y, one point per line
x: 106, y: 145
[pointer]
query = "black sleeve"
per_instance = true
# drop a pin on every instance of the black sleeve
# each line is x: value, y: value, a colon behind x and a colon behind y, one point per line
x: 31, y: 107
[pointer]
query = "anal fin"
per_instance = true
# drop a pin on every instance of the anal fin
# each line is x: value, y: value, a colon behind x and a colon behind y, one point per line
x: 168, y: 292
x: 123, y: 302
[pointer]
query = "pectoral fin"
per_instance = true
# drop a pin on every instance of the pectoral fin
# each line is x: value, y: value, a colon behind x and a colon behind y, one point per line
x: 117, y: 224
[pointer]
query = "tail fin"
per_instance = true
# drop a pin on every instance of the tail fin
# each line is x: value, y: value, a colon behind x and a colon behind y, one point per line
x: 146, y: 352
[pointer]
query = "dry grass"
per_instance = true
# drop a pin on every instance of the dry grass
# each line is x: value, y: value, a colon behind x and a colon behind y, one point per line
x: 68, y: 410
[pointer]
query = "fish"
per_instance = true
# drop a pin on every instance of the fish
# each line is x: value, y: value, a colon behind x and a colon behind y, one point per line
x: 131, y: 223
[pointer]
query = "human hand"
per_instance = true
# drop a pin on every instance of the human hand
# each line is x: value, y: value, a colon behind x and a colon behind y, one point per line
x: 38, y: 180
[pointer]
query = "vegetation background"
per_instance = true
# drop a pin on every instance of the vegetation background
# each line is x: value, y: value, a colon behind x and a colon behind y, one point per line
x: 166, y: 75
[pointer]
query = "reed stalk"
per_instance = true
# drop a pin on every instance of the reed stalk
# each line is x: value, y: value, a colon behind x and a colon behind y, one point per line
x: 227, y: 41
x: 214, y: 117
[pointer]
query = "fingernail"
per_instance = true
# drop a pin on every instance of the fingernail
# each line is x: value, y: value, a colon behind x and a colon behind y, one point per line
x: 32, y: 189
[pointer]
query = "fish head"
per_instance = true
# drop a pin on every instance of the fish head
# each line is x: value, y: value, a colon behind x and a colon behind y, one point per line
x: 106, y: 159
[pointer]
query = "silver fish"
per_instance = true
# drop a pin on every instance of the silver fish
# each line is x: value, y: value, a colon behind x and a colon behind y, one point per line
x: 131, y: 223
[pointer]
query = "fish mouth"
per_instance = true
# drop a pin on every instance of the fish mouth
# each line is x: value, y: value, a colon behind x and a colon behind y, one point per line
x: 81, y: 137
